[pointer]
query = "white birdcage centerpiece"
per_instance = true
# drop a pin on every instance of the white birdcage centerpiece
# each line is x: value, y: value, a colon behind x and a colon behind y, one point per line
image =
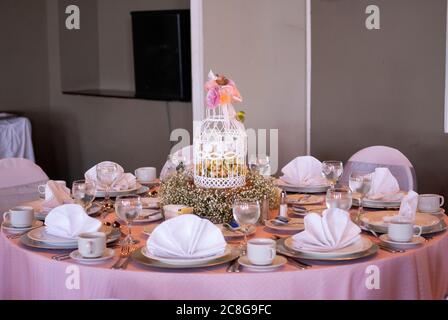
x: 220, y: 144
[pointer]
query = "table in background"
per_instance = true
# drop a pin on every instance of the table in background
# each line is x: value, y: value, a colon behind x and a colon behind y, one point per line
x: 15, y: 138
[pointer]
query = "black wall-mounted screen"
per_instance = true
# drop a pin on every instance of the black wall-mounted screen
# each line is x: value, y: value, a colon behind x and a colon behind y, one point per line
x: 162, y: 57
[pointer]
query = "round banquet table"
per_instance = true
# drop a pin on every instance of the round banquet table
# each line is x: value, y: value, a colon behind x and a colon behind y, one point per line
x: 420, y: 273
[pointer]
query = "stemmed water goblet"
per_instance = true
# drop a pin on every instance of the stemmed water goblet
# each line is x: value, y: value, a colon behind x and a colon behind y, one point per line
x: 360, y: 183
x: 128, y: 208
x: 83, y: 192
x: 107, y: 173
x: 340, y: 198
x: 246, y: 213
x: 332, y: 171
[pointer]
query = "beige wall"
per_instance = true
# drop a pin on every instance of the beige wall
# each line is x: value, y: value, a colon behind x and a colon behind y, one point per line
x: 261, y: 44
x: 383, y: 87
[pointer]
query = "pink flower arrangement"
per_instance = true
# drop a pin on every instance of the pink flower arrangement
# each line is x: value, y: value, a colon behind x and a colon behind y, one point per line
x: 221, y: 91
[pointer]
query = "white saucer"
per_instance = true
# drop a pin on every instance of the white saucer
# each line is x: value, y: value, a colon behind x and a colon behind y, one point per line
x: 108, y: 254
x: 8, y: 227
x: 278, y: 262
x: 415, y: 242
x: 437, y: 212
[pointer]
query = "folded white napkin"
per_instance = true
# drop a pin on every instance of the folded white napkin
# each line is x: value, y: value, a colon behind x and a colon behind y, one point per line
x: 303, y: 171
x: 124, y: 181
x: 408, y: 209
x: 186, y: 236
x: 56, y: 195
x: 384, y: 186
x: 69, y: 221
x: 334, y: 230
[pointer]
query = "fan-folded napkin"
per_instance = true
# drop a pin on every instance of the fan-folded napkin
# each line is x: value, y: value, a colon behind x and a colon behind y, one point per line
x: 384, y: 186
x: 186, y: 236
x: 303, y: 171
x: 56, y: 195
x: 331, y: 231
x: 124, y: 181
x: 69, y: 221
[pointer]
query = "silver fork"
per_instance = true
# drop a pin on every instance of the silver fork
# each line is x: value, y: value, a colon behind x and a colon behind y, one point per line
x: 124, y: 253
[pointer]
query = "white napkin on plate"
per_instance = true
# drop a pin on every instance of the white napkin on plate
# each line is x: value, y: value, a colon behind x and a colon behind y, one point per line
x: 69, y: 221
x: 384, y: 186
x: 56, y: 195
x: 303, y: 171
x: 125, y: 181
x: 186, y: 236
x: 408, y: 209
x: 334, y: 230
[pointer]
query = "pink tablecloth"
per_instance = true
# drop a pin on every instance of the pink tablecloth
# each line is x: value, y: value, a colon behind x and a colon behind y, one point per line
x: 415, y: 274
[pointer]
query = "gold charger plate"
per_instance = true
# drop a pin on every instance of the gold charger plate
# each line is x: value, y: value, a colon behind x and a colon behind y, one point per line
x: 138, y: 256
x: 282, y: 249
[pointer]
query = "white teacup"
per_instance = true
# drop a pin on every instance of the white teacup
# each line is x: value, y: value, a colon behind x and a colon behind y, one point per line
x: 92, y: 244
x: 20, y: 217
x: 402, y: 231
x: 43, y: 189
x: 261, y: 251
x: 430, y: 202
x: 146, y: 174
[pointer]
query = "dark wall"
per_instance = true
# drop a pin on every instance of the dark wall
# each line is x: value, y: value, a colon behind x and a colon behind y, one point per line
x: 24, y: 78
x: 381, y: 87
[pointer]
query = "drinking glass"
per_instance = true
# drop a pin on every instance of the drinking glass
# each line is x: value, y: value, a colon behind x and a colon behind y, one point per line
x: 127, y: 209
x: 264, y: 165
x: 178, y: 161
x: 84, y: 192
x: 332, y: 171
x: 246, y: 213
x: 253, y: 163
x: 340, y: 198
x: 107, y: 174
x: 360, y: 182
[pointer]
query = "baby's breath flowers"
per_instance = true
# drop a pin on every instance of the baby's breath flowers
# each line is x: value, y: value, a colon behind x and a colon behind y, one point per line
x: 216, y: 204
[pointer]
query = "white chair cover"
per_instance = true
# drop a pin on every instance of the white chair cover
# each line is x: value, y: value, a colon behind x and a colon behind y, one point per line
x: 19, y: 179
x: 15, y: 139
x: 380, y: 156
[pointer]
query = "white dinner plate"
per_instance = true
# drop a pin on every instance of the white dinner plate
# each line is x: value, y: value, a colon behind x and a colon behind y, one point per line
x: 237, y: 233
x: 108, y: 254
x: 150, y: 215
x: 25, y: 240
x: 304, y: 199
x: 278, y: 262
x: 301, y: 189
x: 116, y: 193
x: 184, y: 261
x: 380, y: 203
x: 376, y: 219
x: 415, y: 242
x: 295, y: 224
x: 41, y: 235
x: 8, y: 227
x: 363, y: 244
x: 92, y: 210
